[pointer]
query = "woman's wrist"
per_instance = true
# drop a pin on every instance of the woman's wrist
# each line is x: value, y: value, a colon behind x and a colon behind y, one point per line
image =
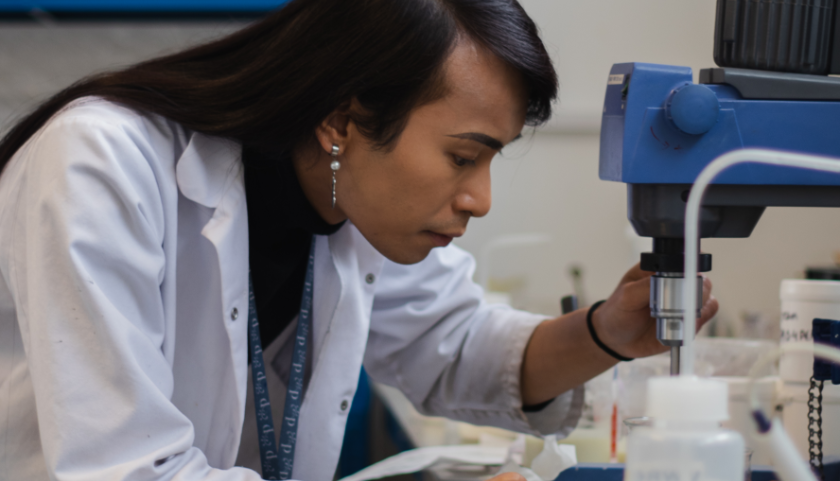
x: 596, y: 338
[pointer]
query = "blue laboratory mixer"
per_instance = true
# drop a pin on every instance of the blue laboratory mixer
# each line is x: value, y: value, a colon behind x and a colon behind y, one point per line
x: 659, y: 130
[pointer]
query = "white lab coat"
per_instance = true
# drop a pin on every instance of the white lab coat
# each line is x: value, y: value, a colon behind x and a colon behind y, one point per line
x: 123, y: 307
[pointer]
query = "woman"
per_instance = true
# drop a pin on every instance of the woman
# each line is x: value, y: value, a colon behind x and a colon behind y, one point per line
x: 308, y: 171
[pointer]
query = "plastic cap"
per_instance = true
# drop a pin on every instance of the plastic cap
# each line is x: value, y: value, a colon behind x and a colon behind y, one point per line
x: 687, y: 398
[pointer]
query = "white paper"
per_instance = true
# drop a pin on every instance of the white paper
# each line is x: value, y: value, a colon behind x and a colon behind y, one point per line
x: 419, y: 459
x: 516, y: 450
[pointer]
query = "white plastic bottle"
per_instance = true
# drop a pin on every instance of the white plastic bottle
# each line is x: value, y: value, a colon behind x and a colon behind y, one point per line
x: 686, y: 442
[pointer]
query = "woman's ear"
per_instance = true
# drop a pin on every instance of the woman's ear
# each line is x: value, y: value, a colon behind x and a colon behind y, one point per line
x: 339, y: 127
x: 335, y: 128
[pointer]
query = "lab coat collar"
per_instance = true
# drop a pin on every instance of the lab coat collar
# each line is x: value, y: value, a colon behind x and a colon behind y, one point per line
x: 207, y: 167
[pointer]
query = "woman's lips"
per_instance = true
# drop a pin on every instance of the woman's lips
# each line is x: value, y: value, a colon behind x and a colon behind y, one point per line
x: 440, y: 240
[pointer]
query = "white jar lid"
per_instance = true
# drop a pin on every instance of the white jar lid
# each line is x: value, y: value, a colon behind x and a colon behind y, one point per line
x: 810, y: 290
x: 687, y: 398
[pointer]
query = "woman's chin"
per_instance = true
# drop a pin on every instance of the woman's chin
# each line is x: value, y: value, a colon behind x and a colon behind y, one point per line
x: 405, y: 254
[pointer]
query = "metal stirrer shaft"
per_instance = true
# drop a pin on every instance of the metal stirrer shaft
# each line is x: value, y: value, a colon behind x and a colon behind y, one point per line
x: 675, y: 360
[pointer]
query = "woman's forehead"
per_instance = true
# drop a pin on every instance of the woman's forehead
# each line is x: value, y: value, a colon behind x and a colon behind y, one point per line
x: 483, y: 94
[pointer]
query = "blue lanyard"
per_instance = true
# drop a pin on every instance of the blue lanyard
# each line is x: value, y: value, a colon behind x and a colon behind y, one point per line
x: 279, y: 465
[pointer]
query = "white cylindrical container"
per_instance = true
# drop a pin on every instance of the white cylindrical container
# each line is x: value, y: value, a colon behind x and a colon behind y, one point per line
x: 686, y: 442
x: 803, y: 301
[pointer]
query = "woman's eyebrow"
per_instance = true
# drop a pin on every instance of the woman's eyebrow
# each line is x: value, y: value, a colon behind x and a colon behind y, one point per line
x: 485, y: 139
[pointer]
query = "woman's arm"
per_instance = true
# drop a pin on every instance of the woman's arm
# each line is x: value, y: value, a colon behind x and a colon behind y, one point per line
x: 561, y: 353
x: 433, y: 337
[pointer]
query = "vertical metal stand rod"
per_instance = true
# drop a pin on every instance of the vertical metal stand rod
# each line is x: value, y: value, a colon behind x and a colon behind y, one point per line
x: 675, y: 360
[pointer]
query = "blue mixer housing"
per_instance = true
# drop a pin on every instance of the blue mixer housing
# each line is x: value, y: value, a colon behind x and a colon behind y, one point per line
x: 659, y: 127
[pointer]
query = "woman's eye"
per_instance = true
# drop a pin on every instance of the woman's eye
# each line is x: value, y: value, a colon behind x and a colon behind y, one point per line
x: 462, y: 162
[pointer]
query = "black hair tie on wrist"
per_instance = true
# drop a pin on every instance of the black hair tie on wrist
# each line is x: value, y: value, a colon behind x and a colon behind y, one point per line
x: 595, y: 336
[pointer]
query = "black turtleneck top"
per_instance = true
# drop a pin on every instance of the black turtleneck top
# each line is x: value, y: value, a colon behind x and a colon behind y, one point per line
x: 281, y: 222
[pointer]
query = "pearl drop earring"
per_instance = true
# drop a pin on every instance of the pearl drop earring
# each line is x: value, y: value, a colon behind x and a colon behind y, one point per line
x: 334, y: 165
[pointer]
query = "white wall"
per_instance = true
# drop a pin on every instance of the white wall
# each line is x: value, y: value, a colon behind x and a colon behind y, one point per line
x: 586, y: 37
x: 547, y: 183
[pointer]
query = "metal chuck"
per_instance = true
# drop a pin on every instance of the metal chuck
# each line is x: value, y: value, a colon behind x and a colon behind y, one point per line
x: 666, y: 287
x: 667, y: 308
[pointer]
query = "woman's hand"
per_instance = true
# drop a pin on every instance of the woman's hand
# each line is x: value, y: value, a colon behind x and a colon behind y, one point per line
x: 561, y: 353
x: 624, y: 324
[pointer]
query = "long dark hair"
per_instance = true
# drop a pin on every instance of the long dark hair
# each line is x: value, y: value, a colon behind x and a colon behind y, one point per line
x: 270, y: 84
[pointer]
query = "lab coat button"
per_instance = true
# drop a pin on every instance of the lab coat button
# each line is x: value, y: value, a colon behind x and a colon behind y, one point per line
x: 344, y: 405
x: 234, y: 314
x: 370, y: 278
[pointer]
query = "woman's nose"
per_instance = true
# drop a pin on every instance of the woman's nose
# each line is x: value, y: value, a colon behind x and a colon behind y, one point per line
x: 475, y: 196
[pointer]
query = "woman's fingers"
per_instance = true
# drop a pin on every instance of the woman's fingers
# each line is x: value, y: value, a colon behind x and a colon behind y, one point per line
x: 707, y: 289
x: 635, y: 294
x: 708, y: 311
x: 634, y: 274
x: 710, y: 304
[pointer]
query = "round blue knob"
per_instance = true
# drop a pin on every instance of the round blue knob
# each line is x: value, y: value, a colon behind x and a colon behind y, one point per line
x: 693, y: 108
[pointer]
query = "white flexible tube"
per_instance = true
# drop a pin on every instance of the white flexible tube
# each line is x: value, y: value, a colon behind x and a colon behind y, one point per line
x: 787, y: 464
x: 692, y: 218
